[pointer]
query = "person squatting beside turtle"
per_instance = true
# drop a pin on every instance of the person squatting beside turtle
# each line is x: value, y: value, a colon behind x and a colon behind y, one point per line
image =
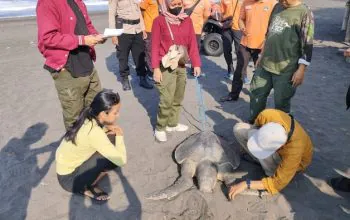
x: 93, y: 146
x: 172, y: 37
x: 279, y: 144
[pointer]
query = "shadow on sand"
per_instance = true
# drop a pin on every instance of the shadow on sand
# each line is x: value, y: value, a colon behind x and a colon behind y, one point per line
x: 20, y: 171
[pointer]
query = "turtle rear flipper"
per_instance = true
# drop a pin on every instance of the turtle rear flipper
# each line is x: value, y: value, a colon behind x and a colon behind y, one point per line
x: 185, y: 182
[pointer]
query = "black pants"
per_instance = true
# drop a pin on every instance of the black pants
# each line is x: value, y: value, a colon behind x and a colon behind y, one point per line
x: 230, y: 36
x: 135, y: 44
x: 148, y: 51
x: 84, y: 175
x: 243, y: 57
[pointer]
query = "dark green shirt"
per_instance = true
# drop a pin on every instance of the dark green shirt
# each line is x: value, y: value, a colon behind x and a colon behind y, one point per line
x: 289, y: 39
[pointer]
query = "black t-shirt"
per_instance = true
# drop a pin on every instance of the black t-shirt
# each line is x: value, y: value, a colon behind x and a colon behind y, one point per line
x: 79, y: 62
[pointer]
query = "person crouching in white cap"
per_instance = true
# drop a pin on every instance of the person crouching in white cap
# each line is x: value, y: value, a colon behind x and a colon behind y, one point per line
x: 279, y: 144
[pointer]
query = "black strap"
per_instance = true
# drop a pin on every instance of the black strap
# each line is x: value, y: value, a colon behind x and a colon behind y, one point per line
x: 292, y: 126
x: 189, y: 11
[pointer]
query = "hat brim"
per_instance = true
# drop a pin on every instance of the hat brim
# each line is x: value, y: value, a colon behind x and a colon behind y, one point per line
x: 256, y: 150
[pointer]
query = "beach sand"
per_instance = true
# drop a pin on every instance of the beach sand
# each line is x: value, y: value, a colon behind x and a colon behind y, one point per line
x: 31, y: 126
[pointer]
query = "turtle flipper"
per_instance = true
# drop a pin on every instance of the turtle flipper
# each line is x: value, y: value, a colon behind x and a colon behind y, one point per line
x: 181, y: 185
x: 185, y: 182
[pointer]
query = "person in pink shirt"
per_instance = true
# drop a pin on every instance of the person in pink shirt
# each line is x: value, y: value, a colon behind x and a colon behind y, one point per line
x: 171, y: 82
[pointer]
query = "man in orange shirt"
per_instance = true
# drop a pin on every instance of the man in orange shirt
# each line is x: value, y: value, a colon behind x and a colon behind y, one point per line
x: 231, y: 32
x: 253, y: 21
x: 150, y: 11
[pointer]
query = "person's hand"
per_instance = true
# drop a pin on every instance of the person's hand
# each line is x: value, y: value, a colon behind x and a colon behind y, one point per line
x: 92, y: 40
x: 115, y: 41
x: 298, y: 76
x: 347, y: 53
x: 196, y: 71
x: 115, y: 129
x: 237, y: 189
x: 144, y: 35
x: 257, y: 63
x: 102, y: 40
x: 157, y: 75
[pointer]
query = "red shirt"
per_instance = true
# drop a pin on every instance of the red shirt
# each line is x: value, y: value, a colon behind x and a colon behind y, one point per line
x: 183, y: 35
x: 56, y: 24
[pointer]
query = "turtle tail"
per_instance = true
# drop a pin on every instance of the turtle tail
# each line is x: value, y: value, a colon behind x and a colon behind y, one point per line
x: 181, y: 185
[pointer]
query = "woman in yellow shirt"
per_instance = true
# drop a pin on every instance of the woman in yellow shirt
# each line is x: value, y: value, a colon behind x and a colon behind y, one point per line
x: 91, y: 147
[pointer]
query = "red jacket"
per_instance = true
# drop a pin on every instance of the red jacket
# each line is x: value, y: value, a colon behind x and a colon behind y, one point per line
x: 183, y: 35
x: 56, y: 23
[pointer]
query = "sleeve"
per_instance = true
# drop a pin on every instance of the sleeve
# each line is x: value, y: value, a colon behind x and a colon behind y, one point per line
x: 49, y: 29
x: 285, y: 171
x: 112, y: 12
x: 99, y: 141
x: 142, y: 21
x: 193, y: 46
x: 144, y: 5
x: 270, y: 19
x: 155, y: 44
x: 306, y: 38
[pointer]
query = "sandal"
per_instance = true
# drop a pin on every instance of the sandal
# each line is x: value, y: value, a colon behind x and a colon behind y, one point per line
x: 95, y: 195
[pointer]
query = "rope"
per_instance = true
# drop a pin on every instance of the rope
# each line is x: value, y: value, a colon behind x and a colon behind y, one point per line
x: 201, y: 105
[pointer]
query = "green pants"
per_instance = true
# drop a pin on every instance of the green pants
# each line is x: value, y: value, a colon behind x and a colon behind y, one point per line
x: 75, y: 93
x: 171, y: 95
x: 260, y: 87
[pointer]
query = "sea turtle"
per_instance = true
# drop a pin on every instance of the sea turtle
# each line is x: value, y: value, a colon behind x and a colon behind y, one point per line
x: 201, y: 155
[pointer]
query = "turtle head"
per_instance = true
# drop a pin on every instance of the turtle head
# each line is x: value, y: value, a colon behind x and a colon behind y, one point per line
x: 206, y: 176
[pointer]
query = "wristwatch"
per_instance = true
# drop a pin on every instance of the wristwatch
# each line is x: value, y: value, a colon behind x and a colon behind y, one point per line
x: 248, y: 183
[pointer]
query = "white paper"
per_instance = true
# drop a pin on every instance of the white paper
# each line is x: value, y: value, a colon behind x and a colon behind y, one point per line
x: 110, y: 32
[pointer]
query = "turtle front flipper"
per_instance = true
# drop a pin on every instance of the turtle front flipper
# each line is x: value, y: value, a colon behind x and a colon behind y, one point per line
x: 184, y: 183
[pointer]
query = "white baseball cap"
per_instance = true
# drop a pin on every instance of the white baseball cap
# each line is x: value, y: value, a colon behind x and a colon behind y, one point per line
x: 267, y: 140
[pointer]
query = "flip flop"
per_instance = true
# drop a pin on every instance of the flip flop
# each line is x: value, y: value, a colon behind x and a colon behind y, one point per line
x: 95, y: 195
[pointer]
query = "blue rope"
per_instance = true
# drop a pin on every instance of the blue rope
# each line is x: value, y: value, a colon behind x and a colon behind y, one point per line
x: 201, y: 106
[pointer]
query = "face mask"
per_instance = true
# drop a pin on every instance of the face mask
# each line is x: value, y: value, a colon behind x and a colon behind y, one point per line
x: 175, y: 11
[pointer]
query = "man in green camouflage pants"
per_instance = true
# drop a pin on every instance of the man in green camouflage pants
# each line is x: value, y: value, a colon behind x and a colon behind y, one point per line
x: 286, y: 54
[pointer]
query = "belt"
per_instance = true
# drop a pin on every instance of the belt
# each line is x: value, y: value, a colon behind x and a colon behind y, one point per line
x: 131, y: 22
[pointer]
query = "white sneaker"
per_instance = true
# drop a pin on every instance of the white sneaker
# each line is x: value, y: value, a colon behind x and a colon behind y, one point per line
x: 179, y: 127
x: 160, y: 136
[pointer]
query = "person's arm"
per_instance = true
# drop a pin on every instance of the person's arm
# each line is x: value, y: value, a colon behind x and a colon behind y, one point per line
x: 49, y: 29
x: 242, y: 19
x: 155, y: 52
x: 116, y: 154
x: 112, y: 12
x: 193, y: 46
x: 155, y: 43
x: 306, y: 43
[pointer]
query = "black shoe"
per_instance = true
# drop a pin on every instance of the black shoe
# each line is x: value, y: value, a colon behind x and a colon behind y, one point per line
x: 126, y: 84
x: 144, y: 83
x: 229, y: 98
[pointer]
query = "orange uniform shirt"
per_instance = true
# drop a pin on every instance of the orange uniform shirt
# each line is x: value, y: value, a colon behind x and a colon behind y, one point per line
x: 150, y: 12
x: 200, y: 14
x: 231, y: 8
x: 255, y: 15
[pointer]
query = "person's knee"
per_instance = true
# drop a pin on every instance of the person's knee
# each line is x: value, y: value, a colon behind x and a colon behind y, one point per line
x: 239, y: 127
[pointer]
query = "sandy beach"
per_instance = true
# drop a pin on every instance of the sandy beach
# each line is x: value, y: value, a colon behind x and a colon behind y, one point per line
x: 31, y: 126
